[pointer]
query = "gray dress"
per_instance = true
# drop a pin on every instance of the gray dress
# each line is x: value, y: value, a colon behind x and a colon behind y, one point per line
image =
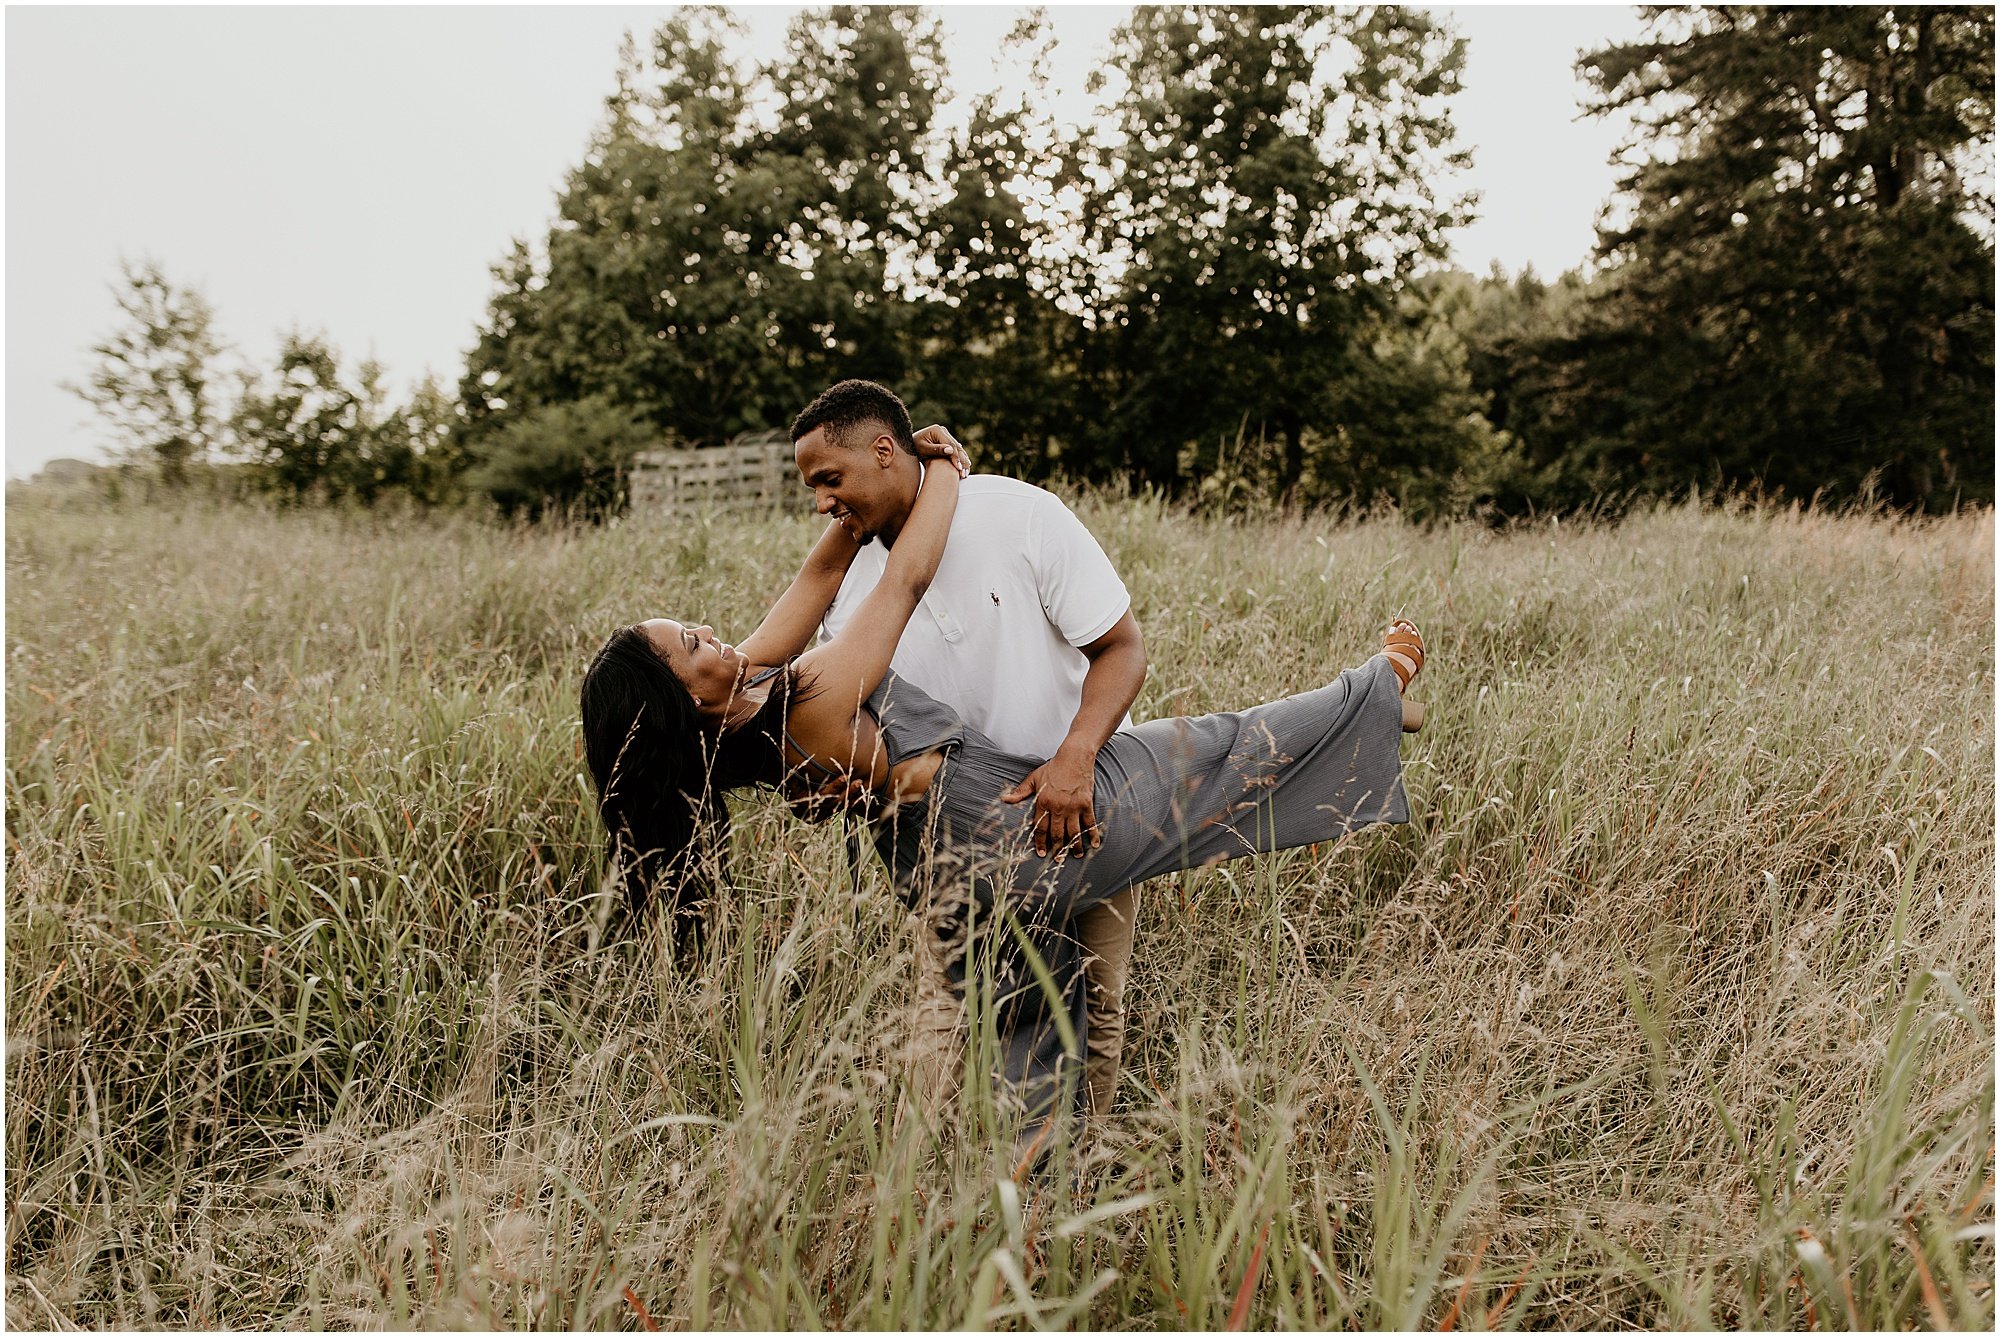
x: 1170, y: 794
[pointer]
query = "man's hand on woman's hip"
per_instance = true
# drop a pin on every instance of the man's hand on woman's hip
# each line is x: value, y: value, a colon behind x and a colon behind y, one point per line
x: 1065, y: 815
x: 842, y: 793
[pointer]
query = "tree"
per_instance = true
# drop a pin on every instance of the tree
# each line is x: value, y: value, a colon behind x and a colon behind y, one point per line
x: 1270, y: 186
x: 433, y: 426
x: 1407, y: 422
x: 733, y: 243
x: 853, y: 160
x: 1501, y: 323
x: 573, y: 454
x: 153, y: 378
x: 711, y: 269
x: 1799, y: 298
x: 647, y: 298
x: 994, y: 352
x: 309, y: 433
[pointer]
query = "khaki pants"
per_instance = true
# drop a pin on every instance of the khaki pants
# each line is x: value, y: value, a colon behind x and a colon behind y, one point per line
x: 937, y: 1036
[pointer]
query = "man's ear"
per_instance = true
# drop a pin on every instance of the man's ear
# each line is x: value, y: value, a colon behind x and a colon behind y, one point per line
x: 885, y: 451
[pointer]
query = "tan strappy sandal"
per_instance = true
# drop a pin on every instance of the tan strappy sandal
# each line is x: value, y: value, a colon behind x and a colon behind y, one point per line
x: 1404, y: 645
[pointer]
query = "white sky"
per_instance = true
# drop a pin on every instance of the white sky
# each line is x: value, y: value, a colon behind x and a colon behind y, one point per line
x: 354, y: 171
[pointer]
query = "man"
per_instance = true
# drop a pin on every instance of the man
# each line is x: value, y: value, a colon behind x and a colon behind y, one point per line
x: 1026, y: 631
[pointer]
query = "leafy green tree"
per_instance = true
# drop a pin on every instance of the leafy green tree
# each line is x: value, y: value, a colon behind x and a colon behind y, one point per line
x: 1497, y: 318
x: 1799, y: 296
x: 995, y: 352
x: 732, y: 243
x: 432, y: 424
x: 310, y: 433
x: 649, y: 297
x: 1270, y: 185
x: 1406, y: 423
x: 854, y: 160
x: 296, y: 426
x: 154, y: 377
x: 571, y: 456
x: 1501, y: 323
x: 712, y: 267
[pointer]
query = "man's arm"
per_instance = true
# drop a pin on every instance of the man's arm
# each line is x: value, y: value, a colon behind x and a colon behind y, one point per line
x: 1065, y: 815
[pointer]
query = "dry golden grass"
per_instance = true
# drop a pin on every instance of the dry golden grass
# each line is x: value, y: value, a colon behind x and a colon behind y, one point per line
x: 1671, y: 1007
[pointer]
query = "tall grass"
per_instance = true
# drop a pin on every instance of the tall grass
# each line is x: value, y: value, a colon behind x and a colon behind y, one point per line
x: 1672, y: 1006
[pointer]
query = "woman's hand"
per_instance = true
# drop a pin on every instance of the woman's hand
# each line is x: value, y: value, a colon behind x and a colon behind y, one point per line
x: 935, y: 443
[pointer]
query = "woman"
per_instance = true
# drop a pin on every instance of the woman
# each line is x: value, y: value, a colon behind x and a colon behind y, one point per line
x: 674, y: 718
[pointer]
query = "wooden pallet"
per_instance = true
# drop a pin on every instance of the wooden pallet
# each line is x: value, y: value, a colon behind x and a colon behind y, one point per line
x: 753, y: 474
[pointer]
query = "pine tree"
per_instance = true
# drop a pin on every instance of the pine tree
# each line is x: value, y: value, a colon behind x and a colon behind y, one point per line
x: 1799, y: 297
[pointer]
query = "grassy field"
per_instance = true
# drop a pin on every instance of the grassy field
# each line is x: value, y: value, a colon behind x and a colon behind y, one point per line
x: 1672, y: 1006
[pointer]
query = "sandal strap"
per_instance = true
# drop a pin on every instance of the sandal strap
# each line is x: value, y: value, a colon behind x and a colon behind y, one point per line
x: 1405, y: 648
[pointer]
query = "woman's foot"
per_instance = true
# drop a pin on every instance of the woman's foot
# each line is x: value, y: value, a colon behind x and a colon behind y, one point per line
x: 1404, y: 646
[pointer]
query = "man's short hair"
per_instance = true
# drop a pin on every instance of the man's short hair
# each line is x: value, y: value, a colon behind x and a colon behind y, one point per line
x: 852, y: 404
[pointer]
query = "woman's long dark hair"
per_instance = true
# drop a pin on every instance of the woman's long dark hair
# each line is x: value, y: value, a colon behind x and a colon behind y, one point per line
x: 661, y: 771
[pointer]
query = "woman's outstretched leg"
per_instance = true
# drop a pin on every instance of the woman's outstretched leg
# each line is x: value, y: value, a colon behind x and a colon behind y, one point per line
x: 1187, y: 792
x: 1171, y: 794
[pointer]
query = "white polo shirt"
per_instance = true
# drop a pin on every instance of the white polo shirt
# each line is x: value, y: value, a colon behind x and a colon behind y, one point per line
x: 1021, y: 585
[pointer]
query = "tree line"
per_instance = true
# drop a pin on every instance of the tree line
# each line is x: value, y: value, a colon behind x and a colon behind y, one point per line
x: 1233, y: 287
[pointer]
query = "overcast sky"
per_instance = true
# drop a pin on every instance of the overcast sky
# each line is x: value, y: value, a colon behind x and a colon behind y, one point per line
x: 354, y: 171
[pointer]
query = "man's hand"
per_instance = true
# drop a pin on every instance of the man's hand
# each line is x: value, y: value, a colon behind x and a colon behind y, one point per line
x: 1065, y: 817
x: 935, y: 443
x: 843, y: 793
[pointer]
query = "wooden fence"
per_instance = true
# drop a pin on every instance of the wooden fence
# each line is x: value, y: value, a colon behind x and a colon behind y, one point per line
x: 753, y: 474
